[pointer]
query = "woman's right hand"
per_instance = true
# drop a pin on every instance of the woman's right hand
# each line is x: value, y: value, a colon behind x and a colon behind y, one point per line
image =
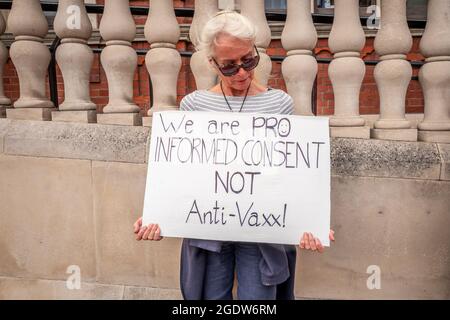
x: 150, y: 232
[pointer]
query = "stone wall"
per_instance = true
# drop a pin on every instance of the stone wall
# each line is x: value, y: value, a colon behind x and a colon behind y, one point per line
x: 69, y: 194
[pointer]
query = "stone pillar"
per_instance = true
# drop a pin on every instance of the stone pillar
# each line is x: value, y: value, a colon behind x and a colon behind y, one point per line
x: 393, y: 73
x: 163, y: 61
x: 299, y: 69
x: 119, y: 60
x: 205, y: 77
x: 31, y: 59
x: 4, y: 101
x: 254, y: 10
x: 74, y: 57
x: 347, y: 70
x: 434, y: 76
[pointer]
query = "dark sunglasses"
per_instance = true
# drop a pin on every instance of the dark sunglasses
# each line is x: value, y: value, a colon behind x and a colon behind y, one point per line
x: 231, y: 69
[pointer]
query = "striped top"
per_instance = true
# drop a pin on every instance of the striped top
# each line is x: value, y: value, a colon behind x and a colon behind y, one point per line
x: 272, y: 101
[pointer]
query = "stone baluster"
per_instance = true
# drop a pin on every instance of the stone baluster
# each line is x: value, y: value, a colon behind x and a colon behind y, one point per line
x: 347, y: 70
x: 31, y: 59
x: 204, y: 76
x: 254, y: 10
x: 393, y: 73
x: 163, y: 61
x: 299, y: 69
x: 74, y: 57
x: 4, y: 101
x: 434, y: 76
x: 119, y: 60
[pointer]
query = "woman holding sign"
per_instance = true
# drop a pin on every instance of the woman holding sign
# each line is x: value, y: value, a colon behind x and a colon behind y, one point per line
x: 264, y: 271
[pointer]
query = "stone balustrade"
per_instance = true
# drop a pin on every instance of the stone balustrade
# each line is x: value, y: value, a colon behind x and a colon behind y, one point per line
x: 31, y: 59
x: 300, y: 67
x: 204, y: 76
x: 435, y: 74
x: 347, y: 70
x: 74, y: 57
x: 119, y: 60
x: 393, y: 73
x: 254, y: 11
x: 299, y: 38
x: 162, y: 60
x: 5, y: 102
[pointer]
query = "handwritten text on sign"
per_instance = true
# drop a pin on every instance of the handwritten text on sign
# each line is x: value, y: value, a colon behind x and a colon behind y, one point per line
x: 239, y: 177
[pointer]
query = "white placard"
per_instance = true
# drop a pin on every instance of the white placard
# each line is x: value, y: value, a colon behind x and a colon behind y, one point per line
x: 239, y: 176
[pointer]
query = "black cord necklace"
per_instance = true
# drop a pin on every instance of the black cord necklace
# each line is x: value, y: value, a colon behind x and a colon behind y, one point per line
x: 245, y: 97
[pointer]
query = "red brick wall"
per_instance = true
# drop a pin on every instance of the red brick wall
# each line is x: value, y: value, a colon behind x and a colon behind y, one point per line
x: 369, y: 100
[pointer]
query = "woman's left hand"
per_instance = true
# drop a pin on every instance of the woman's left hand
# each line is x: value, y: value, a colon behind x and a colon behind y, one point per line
x: 309, y: 242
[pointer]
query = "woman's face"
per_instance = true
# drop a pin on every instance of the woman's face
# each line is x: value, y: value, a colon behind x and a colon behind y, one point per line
x: 228, y: 50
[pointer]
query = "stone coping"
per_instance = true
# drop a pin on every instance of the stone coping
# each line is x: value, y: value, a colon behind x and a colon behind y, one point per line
x: 354, y: 157
x: 73, y: 140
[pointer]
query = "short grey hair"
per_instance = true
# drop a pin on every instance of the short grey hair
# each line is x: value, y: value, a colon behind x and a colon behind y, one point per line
x: 225, y: 22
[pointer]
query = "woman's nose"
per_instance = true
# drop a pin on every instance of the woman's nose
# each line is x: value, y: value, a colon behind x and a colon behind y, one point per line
x: 242, y: 72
